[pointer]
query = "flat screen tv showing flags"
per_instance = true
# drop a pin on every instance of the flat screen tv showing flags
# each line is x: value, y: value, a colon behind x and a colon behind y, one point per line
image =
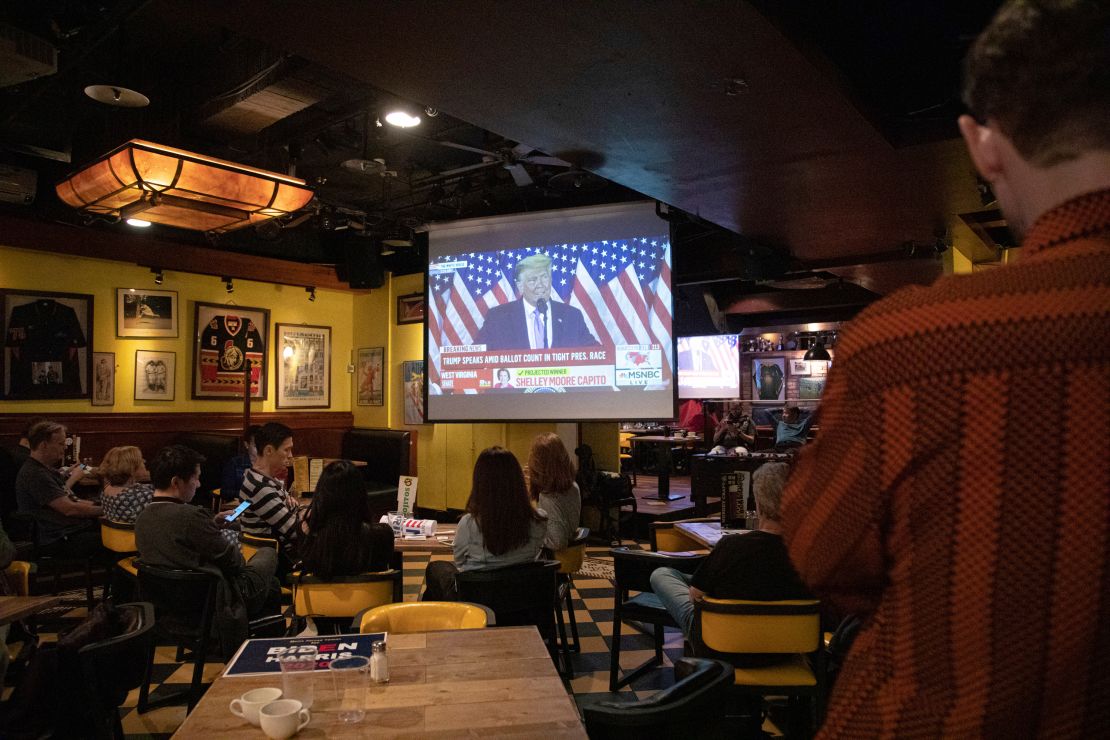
x: 709, y: 366
x: 559, y: 315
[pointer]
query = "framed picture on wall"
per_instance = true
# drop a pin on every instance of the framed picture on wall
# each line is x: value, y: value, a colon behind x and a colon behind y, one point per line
x: 370, y: 376
x: 302, y: 356
x: 47, y: 349
x: 810, y: 389
x: 104, y: 379
x: 769, y: 379
x: 146, y: 313
x: 410, y: 308
x: 154, y: 375
x: 412, y: 377
x: 225, y: 339
x: 799, y: 367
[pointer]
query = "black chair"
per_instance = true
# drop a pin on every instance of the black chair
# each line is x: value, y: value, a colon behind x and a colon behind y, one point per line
x: 525, y: 594
x: 694, y: 705
x: 616, y: 505
x: 632, y: 572
x: 112, y: 667
x: 570, y: 562
x: 185, y: 604
x: 54, y: 565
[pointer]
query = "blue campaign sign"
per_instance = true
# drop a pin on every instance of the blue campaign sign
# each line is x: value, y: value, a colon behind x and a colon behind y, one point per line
x: 261, y: 656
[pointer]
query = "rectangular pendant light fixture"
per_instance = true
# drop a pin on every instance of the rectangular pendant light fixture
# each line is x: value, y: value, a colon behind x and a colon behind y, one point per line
x: 174, y: 187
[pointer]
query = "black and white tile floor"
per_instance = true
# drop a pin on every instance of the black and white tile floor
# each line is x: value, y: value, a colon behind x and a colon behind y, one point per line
x: 593, y: 604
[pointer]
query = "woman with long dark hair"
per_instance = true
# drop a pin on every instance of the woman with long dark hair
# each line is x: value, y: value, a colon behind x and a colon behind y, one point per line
x: 339, y: 538
x: 500, y: 526
x: 551, y: 484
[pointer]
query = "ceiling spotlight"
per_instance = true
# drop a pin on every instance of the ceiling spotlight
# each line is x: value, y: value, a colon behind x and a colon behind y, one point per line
x: 401, y: 118
x: 138, y: 222
x: 158, y: 276
x: 311, y: 293
x: 228, y: 284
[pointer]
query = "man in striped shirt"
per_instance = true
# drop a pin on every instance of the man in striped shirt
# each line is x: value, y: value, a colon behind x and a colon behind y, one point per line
x: 978, y: 554
x: 273, y: 511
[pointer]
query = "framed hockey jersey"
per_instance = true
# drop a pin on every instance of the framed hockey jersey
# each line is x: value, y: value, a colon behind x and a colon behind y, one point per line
x: 226, y: 339
x: 47, y: 350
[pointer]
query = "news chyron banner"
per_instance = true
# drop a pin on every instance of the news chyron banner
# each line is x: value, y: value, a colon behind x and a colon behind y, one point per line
x: 472, y: 369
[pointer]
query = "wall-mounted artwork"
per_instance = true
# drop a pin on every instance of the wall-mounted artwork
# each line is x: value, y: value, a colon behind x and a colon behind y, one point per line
x: 146, y: 313
x: 47, y: 344
x: 225, y: 339
x: 819, y: 367
x: 303, y: 359
x: 104, y: 379
x: 799, y: 367
x: 769, y: 379
x: 154, y: 375
x: 810, y: 389
x: 410, y: 308
x: 370, y: 376
x: 412, y: 375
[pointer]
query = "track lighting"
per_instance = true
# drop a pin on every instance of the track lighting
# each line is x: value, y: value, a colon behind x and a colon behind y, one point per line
x: 158, y: 276
x: 228, y: 284
x: 311, y: 294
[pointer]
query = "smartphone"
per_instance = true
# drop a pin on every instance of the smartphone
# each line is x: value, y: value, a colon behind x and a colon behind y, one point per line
x: 238, y: 510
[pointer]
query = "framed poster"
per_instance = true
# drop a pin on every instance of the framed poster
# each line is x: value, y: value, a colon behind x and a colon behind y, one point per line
x: 769, y: 379
x: 412, y: 377
x: 799, y: 367
x: 47, y: 344
x: 226, y: 338
x: 146, y: 313
x: 154, y: 375
x: 810, y: 389
x: 104, y: 379
x: 410, y: 308
x: 370, y: 376
x: 302, y: 356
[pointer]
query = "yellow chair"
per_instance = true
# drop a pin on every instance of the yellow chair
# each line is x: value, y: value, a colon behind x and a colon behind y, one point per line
x: 425, y: 616
x: 570, y: 562
x: 249, y: 544
x: 626, y: 454
x: 728, y: 628
x: 343, y: 597
x: 117, y: 536
x: 666, y: 537
x: 18, y: 575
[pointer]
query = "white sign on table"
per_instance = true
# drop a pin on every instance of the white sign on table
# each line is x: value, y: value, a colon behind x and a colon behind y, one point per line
x: 406, y: 495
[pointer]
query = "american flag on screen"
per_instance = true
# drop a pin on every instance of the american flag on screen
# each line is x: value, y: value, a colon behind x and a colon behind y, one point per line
x: 621, y: 286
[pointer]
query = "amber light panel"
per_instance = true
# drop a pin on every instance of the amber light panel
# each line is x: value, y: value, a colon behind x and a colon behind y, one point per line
x: 174, y: 187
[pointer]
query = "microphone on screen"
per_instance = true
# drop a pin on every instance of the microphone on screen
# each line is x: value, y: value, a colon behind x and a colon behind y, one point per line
x: 541, y: 305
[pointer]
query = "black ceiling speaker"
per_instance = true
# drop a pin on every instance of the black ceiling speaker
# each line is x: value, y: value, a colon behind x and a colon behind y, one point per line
x: 363, y: 257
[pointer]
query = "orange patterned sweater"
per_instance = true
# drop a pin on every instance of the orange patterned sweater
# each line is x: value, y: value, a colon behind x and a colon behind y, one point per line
x: 958, y: 497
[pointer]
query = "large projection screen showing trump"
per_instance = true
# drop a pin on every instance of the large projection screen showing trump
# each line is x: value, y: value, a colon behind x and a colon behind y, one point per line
x: 560, y: 315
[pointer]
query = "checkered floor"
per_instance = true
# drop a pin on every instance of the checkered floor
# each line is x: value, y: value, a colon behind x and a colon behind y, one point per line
x: 593, y: 604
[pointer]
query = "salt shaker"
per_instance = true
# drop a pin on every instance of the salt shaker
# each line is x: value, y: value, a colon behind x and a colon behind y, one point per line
x: 379, y: 662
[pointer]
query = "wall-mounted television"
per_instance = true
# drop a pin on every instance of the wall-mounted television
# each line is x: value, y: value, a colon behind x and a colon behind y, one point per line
x: 709, y: 366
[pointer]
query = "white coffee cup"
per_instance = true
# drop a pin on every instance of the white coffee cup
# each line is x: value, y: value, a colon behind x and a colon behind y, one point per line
x: 247, y: 705
x: 283, y: 718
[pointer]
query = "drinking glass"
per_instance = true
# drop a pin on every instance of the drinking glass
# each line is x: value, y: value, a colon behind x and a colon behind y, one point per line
x: 351, y: 685
x: 297, y: 679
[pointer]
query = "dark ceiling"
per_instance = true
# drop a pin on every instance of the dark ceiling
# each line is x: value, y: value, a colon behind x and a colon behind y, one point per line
x: 821, y: 134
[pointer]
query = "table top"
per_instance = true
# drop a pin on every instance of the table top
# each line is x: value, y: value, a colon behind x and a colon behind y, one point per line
x: 431, y: 544
x: 14, y: 608
x: 661, y: 438
x: 707, y: 533
x: 443, y: 684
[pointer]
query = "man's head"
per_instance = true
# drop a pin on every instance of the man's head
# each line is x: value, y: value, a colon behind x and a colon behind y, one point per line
x: 274, y: 443
x: 790, y: 414
x: 533, y: 278
x: 767, y: 484
x: 47, y: 441
x: 175, y: 471
x: 1037, y: 85
x: 25, y: 433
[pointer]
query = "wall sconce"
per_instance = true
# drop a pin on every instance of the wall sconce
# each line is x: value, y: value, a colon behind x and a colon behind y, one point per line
x: 228, y: 284
x: 158, y: 276
x: 311, y: 294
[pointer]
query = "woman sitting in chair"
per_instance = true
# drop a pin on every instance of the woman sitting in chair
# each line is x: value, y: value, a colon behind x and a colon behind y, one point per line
x: 500, y: 526
x: 339, y: 538
x: 551, y: 483
x: 124, y: 496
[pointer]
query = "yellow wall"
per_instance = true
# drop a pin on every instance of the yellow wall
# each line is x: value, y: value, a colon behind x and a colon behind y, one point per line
x: 30, y: 270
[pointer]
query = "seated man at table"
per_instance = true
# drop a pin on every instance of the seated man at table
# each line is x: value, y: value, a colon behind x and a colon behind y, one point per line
x: 67, y: 526
x: 172, y: 534
x: 749, y: 565
x: 735, y: 434
x: 791, y: 428
x: 273, y: 511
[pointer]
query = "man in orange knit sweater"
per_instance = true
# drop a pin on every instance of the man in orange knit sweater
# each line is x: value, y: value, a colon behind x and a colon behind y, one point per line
x: 978, y: 554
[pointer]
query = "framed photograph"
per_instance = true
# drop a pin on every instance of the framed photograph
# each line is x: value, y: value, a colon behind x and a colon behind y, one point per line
x: 799, y: 367
x: 104, y: 379
x: 810, y: 389
x: 412, y: 377
x: 410, y: 308
x: 226, y: 338
x: 370, y: 376
x: 47, y: 344
x: 154, y: 375
x: 769, y: 379
x: 146, y: 313
x: 819, y: 367
x: 302, y: 356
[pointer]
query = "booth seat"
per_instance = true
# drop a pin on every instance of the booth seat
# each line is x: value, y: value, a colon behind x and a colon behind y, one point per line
x: 388, y: 453
x: 217, y: 449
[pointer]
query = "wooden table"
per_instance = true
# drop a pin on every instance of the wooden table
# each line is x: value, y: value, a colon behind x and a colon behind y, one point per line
x: 14, y: 608
x: 707, y: 533
x: 431, y: 544
x: 464, y: 683
x: 663, y: 468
